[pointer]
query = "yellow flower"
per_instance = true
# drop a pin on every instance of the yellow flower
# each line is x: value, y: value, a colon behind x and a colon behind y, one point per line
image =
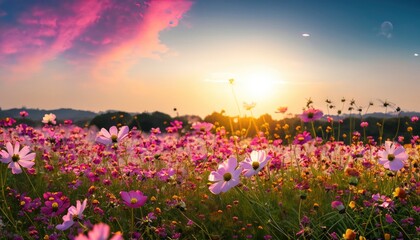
x: 352, y: 204
x: 399, y: 192
x: 349, y: 235
x: 387, y: 236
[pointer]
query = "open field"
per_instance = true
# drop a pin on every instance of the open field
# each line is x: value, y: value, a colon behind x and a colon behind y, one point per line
x: 64, y: 181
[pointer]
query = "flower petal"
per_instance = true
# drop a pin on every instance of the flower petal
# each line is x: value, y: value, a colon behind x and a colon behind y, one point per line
x: 113, y: 131
x: 215, y: 188
x: 26, y: 164
x: 65, y: 225
x: 16, y: 149
x: 399, y: 150
x: 395, y: 165
x: 123, y: 133
x: 28, y: 157
x: 16, y: 169
x: 104, y: 140
x: 24, y: 151
x: 9, y: 148
x: 215, y: 176
x: 232, y: 163
x: 125, y: 196
x: 105, y: 133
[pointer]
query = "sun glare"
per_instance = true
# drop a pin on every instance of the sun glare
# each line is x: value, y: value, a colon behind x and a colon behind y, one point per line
x: 259, y: 84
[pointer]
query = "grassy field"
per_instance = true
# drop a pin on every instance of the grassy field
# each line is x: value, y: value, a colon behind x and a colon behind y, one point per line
x: 70, y: 182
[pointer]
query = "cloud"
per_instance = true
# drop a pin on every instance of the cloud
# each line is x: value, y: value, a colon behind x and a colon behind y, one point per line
x: 144, y: 41
x: 103, y: 34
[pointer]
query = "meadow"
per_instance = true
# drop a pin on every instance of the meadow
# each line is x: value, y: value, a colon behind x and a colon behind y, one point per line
x: 61, y: 181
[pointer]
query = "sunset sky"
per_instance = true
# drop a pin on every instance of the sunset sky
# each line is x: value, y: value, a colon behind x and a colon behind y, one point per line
x: 155, y: 55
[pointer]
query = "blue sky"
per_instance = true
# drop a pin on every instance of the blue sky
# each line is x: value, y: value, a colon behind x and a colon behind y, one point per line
x: 144, y: 56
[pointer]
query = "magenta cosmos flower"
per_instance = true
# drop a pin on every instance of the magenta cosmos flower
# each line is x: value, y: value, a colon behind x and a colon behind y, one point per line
x: 55, y: 204
x: 254, y: 163
x: 100, y: 231
x: 393, y: 157
x: 302, y: 138
x: 113, y: 136
x: 226, y: 176
x: 133, y: 199
x: 23, y: 114
x: 311, y: 114
x: 17, y: 158
x: 73, y: 214
x: 339, y: 206
x: 203, y: 127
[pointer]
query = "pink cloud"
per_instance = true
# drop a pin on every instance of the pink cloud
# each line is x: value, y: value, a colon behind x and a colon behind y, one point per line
x: 105, y: 34
x: 145, y: 43
x: 42, y: 33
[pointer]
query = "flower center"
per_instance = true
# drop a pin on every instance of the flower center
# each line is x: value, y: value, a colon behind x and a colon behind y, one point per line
x: 133, y: 200
x: 300, y: 138
x: 15, y: 157
x: 227, y: 176
x: 75, y: 217
x: 54, y: 206
x: 391, y: 157
x: 114, y: 138
x: 310, y: 115
x: 255, y: 165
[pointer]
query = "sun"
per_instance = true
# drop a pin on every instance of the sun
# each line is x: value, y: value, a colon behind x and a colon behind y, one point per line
x: 259, y: 84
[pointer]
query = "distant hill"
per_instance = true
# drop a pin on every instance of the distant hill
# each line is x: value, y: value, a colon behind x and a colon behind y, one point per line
x: 391, y: 115
x: 377, y: 115
x: 37, y: 114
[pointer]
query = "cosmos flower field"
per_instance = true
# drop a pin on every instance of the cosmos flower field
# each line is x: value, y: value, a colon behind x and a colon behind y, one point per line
x: 67, y: 182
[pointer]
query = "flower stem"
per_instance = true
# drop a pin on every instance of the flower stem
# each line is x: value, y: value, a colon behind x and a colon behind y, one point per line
x: 3, y: 178
x: 398, y: 127
x: 313, y: 130
x: 132, y: 221
x: 33, y: 187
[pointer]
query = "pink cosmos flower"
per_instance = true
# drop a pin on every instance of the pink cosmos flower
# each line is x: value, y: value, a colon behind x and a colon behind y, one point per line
x: 100, y: 231
x: 175, y: 126
x: 133, y: 199
x: 113, y: 136
x: 339, y: 206
x: 226, y: 176
x: 203, y: 127
x: 17, y: 158
x: 364, y: 124
x: 302, y: 138
x: 311, y: 114
x: 7, y: 122
x: 254, y: 163
x: 393, y: 157
x: 388, y: 218
x: 414, y: 119
x: 23, y: 114
x: 55, y: 204
x: 73, y: 213
x: 49, y: 119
